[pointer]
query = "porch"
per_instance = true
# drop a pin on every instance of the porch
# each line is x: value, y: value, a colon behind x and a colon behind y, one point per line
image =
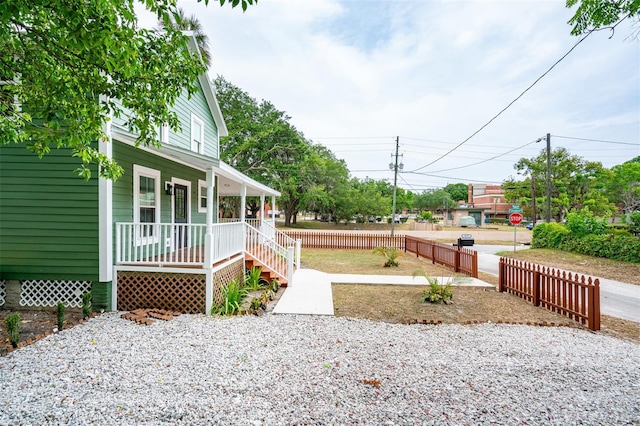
x: 183, y: 267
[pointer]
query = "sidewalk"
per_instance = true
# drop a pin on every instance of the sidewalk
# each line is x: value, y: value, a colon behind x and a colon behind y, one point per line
x: 311, y: 293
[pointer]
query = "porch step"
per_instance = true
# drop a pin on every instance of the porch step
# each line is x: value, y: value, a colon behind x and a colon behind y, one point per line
x: 266, y: 273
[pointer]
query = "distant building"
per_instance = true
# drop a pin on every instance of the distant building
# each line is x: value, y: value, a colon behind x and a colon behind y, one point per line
x: 490, y: 198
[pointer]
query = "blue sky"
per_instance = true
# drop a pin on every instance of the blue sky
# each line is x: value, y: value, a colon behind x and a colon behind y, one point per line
x: 353, y: 75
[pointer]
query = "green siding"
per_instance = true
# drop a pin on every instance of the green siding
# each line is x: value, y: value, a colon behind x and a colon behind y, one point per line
x: 101, y: 295
x: 126, y: 156
x: 48, y: 217
x: 183, y: 108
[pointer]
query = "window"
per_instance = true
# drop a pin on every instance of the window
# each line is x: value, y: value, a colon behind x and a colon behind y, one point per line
x: 197, y: 135
x: 202, y: 196
x: 146, y: 203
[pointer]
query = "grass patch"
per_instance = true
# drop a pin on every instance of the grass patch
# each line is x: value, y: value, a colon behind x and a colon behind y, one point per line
x: 401, y: 304
x: 367, y: 263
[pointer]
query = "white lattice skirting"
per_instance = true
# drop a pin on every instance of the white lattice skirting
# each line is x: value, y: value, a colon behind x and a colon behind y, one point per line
x: 50, y: 293
x: 3, y: 292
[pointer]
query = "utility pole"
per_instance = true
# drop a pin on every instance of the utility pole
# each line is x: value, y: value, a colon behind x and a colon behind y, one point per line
x: 533, y: 198
x: 548, y: 214
x: 395, y: 183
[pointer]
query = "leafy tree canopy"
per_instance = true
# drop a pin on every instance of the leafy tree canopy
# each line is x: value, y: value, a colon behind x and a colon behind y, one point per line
x: 595, y: 14
x: 68, y: 66
x: 458, y: 191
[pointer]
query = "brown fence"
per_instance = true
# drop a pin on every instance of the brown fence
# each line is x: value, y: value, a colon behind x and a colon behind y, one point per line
x: 344, y: 240
x: 571, y: 295
x: 459, y: 259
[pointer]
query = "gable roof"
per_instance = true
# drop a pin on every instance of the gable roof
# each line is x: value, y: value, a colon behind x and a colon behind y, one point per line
x: 208, y: 90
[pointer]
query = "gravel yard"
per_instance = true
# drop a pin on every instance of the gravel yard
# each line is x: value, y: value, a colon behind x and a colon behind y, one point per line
x: 287, y: 370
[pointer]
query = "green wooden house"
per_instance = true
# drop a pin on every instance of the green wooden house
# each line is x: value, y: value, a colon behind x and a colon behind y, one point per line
x: 151, y: 239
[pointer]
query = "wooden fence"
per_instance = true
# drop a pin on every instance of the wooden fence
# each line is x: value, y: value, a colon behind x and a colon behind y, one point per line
x: 459, y: 259
x: 345, y: 240
x: 571, y: 295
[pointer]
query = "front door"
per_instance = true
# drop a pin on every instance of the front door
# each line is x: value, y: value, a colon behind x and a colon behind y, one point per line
x: 180, y: 215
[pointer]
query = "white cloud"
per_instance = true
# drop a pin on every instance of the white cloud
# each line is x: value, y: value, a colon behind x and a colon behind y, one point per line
x: 431, y: 70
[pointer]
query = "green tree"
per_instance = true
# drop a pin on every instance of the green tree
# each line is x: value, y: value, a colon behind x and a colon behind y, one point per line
x: 572, y: 178
x: 595, y: 14
x: 458, y: 191
x: 67, y: 67
x: 182, y: 22
x: 263, y: 144
x: 622, y: 185
x: 433, y: 200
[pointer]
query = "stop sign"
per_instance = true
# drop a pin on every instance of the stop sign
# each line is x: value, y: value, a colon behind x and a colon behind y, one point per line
x: 515, y: 218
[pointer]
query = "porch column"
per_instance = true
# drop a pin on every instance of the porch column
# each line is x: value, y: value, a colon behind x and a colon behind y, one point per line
x: 243, y: 202
x: 208, y: 240
x: 261, y: 207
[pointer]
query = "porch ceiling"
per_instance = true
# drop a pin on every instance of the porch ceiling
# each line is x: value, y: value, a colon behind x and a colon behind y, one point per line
x: 230, y: 180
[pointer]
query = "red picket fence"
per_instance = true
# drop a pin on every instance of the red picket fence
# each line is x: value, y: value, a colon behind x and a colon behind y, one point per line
x: 459, y: 259
x: 571, y: 295
x: 344, y: 240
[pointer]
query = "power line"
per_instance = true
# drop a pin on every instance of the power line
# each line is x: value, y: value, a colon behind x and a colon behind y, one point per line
x: 509, y: 105
x: 596, y: 140
x: 488, y: 159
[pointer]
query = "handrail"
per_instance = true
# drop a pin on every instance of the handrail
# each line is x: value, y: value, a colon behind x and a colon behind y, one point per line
x: 282, y: 239
x: 269, y: 252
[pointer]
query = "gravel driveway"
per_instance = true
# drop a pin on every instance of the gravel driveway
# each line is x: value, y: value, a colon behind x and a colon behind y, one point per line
x: 290, y: 370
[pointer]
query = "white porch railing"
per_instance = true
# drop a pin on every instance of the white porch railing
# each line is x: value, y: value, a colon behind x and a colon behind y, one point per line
x: 181, y: 245
x: 268, y: 227
x: 253, y: 222
x: 175, y: 244
x: 267, y: 251
x: 153, y: 244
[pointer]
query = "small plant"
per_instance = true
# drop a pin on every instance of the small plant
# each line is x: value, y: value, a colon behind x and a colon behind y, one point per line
x: 255, y: 304
x: 86, y: 304
x: 390, y: 254
x: 232, y: 296
x: 253, y: 281
x: 13, y: 328
x: 275, y: 285
x: 436, y: 293
x: 60, y: 313
x: 265, y: 298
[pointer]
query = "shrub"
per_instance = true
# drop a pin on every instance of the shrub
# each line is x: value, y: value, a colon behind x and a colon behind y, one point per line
x: 548, y: 235
x: 60, y: 314
x: 13, y: 328
x: 427, y: 216
x: 275, y: 285
x: 634, y: 223
x: 232, y: 296
x: 437, y: 293
x: 390, y: 254
x: 253, y: 281
x: 581, y: 223
x: 86, y: 304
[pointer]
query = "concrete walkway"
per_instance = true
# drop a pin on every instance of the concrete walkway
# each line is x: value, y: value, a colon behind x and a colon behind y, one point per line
x: 311, y: 293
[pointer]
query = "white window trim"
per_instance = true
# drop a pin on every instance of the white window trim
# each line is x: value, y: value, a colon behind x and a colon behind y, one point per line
x: 202, y: 193
x: 195, y: 119
x: 152, y: 173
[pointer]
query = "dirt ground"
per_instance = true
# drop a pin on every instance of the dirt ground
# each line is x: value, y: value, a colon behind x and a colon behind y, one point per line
x: 35, y: 324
